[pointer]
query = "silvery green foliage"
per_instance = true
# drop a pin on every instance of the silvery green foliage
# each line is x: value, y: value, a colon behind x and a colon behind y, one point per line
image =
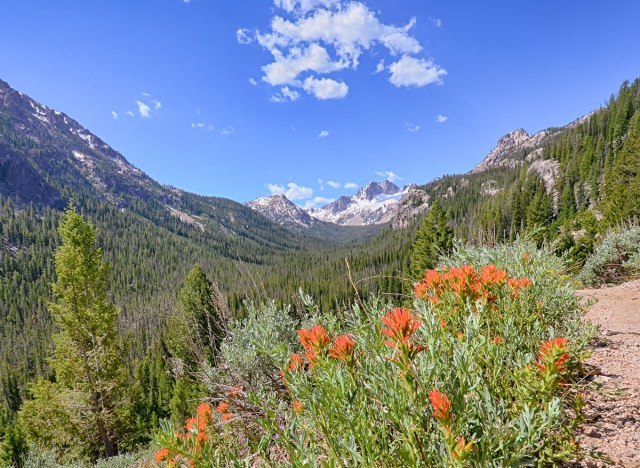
x: 616, y: 257
x: 259, y: 344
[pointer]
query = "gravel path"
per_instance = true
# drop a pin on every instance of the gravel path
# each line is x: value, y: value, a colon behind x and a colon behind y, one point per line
x: 612, y: 430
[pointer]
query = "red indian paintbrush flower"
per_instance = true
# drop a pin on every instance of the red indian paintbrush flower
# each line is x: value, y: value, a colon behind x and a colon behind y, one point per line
x: 295, y: 363
x: 441, y: 406
x: 342, y: 348
x: 553, y: 353
x: 314, y: 338
x: 401, y: 324
x: 314, y: 341
x: 162, y: 455
x: 223, y: 407
x: 462, y: 448
x: 297, y: 406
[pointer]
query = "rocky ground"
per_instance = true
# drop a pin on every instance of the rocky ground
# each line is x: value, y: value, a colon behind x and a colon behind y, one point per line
x: 612, y: 430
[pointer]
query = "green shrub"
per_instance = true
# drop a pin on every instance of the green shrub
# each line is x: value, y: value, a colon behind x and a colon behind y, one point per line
x: 479, y: 372
x: 616, y: 258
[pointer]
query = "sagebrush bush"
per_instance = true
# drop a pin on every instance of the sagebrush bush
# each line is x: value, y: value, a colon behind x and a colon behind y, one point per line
x: 479, y: 372
x: 617, y: 257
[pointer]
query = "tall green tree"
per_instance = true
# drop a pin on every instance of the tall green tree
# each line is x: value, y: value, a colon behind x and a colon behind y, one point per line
x: 434, y: 238
x: 622, y: 186
x: 82, y: 409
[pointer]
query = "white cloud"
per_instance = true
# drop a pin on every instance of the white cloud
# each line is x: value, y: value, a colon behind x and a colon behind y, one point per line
x: 187, y: 1
x: 319, y: 37
x: 129, y: 113
x: 326, y: 88
x: 209, y: 127
x: 114, y: 115
x: 389, y: 175
x: 441, y: 118
x: 292, y: 191
x: 143, y: 109
x: 321, y: 183
x: 285, y: 70
x: 351, y: 185
x: 436, y: 21
x: 146, y: 94
x: 156, y: 104
x: 227, y: 131
x: 323, y: 134
x: 411, y: 128
x: 303, y: 6
x: 242, y: 35
x: 286, y: 94
x: 334, y: 184
x: 253, y: 82
x: 411, y: 71
x: 317, y: 201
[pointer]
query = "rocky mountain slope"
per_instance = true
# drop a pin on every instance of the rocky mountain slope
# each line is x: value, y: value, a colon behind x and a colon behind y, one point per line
x: 374, y: 203
x: 280, y: 209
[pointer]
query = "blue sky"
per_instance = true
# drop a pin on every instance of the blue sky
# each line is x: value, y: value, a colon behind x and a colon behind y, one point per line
x: 235, y: 98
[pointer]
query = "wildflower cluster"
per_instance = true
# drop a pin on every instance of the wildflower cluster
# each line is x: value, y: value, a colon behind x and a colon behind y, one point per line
x: 400, y: 326
x: 192, y: 446
x: 468, y: 284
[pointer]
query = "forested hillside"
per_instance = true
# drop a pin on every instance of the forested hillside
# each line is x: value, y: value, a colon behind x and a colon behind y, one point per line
x: 575, y: 182
x: 567, y: 188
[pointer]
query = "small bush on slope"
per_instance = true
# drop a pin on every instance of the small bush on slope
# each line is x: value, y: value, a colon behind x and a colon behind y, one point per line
x: 480, y: 372
x: 617, y: 257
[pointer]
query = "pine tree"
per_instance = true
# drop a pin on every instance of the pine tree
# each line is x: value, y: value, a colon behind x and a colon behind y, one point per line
x: 433, y: 239
x: 82, y: 405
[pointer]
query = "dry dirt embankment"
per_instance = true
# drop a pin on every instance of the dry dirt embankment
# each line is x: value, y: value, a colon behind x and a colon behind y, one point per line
x: 613, y: 404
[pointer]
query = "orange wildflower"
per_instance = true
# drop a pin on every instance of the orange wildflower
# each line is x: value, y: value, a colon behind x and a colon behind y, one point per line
x: 553, y: 352
x: 295, y: 363
x: 462, y: 448
x: 223, y: 407
x: 235, y: 391
x: 204, y: 411
x: 314, y: 338
x: 491, y: 275
x: 226, y: 416
x: 342, y: 348
x: 190, y: 424
x: 314, y: 341
x: 441, y: 406
x: 401, y: 324
x: 162, y: 455
x: 297, y: 406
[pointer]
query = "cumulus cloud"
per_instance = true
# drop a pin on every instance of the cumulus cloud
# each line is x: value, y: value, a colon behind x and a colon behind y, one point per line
x: 411, y: 128
x: 441, y: 118
x: 286, y: 94
x: 303, y: 6
x: 253, y: 82
x: 114, y: 115
x: 321, y: 183
x: 129, y: 113
x: 285, y: 69
x: 243, y: 37
x: 436, y: 21
x: 292, y: 191
x: 227, y: 131
x: 323, y: 134
x: 351, y: 185
x: 143, y: 109
x: 317, y: 201
x: 411, y: 71
x: 389, y: 175
x: 311, y: 38
x: 334, y: 184
x: 156, y: 104
x: 326, y: 88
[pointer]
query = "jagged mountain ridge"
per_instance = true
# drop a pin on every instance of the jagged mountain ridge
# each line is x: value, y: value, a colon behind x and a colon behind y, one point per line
x: 374, y: 203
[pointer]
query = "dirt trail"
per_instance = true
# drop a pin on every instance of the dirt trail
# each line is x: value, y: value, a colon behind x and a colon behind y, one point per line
x: 613, y: 405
